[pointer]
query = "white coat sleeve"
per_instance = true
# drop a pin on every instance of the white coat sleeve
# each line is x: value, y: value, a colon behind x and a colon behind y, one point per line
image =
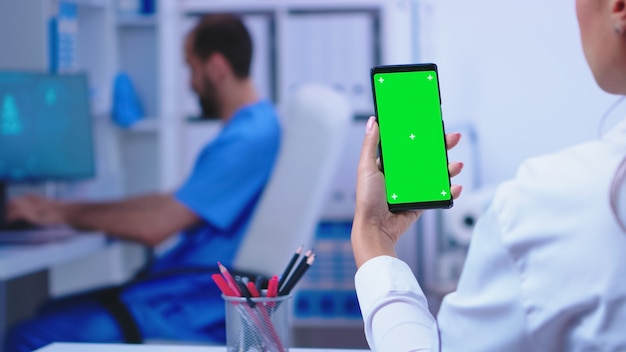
x: 484, y: 314
x: 394, y: 308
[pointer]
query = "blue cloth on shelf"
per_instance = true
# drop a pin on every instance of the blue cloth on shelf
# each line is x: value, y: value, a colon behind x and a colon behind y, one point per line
x: 127, y: 108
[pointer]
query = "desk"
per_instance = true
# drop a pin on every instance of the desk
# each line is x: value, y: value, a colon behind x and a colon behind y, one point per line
x: 17, y: 261
x: 80, y: 347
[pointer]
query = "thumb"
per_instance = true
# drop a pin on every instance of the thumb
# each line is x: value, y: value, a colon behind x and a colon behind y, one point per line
x: 369, y: 149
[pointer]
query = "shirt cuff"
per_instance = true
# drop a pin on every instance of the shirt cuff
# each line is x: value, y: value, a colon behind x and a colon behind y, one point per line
x: 381, y: 275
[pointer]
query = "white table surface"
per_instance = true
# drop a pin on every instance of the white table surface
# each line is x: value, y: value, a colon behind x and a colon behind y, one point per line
x: 84, y: 347
x: 18, y: 260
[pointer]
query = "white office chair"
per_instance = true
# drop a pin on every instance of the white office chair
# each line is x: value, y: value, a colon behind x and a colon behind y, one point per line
x: 315, y: 127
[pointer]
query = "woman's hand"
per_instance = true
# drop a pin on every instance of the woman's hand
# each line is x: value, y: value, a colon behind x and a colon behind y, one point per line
x: 375, y: 229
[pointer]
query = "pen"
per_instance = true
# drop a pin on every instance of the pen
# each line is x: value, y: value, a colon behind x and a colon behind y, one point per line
x: 272, y: 287
x: 253, y: 290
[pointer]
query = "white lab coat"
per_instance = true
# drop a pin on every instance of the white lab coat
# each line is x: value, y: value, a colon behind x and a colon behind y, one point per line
x: 546, y: 269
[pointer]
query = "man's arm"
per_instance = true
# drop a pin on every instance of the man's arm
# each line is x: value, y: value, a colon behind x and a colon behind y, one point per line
x: 148, y: 219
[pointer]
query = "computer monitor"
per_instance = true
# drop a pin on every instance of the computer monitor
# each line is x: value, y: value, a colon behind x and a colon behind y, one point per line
x: 46, y: 130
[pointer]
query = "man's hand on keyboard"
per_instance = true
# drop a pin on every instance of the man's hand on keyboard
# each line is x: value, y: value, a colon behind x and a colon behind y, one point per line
x: 37, y: 210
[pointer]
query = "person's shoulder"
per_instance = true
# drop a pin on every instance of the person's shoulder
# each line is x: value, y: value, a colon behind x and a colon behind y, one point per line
x: 578, y: 163
x: 254, y: 119
x: 583, y: 166
x: 260, y: 111
x: 557, y: 192
x: 254, y: 129
x: 556, y: 223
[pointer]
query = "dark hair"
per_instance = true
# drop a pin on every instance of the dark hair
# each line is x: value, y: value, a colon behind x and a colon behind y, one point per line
x: 226, y: 34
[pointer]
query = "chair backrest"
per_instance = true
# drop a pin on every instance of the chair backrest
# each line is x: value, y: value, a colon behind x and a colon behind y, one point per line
x: 315, y: 127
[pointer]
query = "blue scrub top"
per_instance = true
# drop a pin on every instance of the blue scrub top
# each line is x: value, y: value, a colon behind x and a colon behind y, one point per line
x: 223, y: 189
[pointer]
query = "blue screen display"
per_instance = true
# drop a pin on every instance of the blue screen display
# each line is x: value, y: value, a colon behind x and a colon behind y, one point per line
x: 46, y: 130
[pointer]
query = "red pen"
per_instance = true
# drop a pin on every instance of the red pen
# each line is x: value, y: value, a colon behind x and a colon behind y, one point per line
x: 272, y: 287
x: 252, y: 288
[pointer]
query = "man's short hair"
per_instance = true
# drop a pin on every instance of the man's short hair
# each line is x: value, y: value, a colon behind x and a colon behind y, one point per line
x: 226, y: 34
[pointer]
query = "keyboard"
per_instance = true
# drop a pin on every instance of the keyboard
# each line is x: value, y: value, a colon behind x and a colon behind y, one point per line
x: 18, y: 225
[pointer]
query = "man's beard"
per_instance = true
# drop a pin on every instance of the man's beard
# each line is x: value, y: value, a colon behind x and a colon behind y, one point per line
x: 209, y: 103
x: 210, y: 110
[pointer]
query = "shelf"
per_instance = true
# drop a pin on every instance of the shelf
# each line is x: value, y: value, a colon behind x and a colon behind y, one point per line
x: 124, y: 20
x: 200, y: 6
x: 147, y: 124
x: 98, y: 3
x: 255, y: 5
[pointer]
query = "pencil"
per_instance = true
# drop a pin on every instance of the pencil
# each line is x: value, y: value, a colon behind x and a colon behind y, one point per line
x: 290, y: 265
x: 293, y: 280
x: 222, y: 284
x: 300, y: 264
x: 229, y: 279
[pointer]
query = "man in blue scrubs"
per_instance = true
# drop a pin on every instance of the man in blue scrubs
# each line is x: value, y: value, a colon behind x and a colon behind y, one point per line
x: 175, y: 298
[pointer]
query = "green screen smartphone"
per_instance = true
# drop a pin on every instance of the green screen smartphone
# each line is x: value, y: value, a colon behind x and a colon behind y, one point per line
x: 413, y: 151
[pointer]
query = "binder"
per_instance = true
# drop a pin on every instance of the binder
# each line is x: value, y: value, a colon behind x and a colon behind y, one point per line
x: 63, y: 33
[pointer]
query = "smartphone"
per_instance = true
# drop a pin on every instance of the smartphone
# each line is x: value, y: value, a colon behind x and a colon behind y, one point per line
x: 412, y: 145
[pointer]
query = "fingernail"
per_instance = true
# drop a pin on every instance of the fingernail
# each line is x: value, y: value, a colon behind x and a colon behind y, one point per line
x: 370, y: 124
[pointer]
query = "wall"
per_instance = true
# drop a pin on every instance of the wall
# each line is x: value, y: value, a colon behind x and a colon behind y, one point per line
x: 27, y: 54
x: 516, y: 70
